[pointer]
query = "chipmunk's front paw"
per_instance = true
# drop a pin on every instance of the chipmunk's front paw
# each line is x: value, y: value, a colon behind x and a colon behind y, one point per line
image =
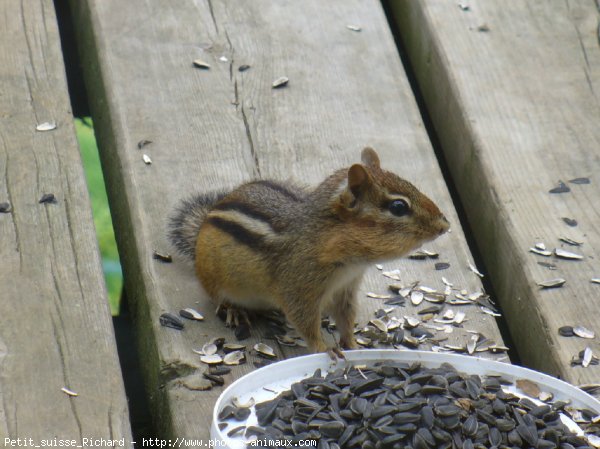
x: 335, y: 354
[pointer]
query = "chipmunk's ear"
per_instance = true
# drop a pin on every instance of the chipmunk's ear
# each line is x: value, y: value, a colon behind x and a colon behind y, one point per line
x: 369, y: 158
x: 358, y: 179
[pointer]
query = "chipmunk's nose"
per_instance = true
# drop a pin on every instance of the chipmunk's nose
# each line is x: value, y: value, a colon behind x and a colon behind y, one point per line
x: 443, y: 224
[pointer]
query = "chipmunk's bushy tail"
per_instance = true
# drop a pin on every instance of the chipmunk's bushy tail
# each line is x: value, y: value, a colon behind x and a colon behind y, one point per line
x: 185, y: 223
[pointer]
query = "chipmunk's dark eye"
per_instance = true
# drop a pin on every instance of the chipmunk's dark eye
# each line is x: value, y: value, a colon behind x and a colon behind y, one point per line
x: 399, y: 208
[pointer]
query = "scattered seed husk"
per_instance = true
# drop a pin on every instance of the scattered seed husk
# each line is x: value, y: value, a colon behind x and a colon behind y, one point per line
x: 561, y: 188
x: 439, y: 266
x: 552, y: 283
x: 379, y: 266
x: 46, y: 126
x: 209, y: 349
x: 230, y: 347
x: 570, y: 241
x: 570, y: 221
x: 566, y: 331
x: 474, y: 270
x: 69, y: 392
x: 47, y: 198
x: 265, y: 350
x: 354, y: 28
x: 166, y: 258
x: 212, y: 359
x: 550, y: 266
x: 142, y: 143
x: 541, y: 252
x: 580, y: 181
x: 200, y: 64
x: 234, y: 358
x: 364, y: 341
x: 235, y: 401
x: 379, y: 324
x: 170, y: 320
x: 483, y: 28
x: 243, y: 67
x: 595, y: 280
x: 583, y: 332
x: 587, y: 357
x: 146, y: 159
x: 559, y: 252
x: 489, y: 311
x: 223, y: 59
x: 378, y: 295
x: 214, y: 378
x: 528, y: 387
x: 394, y: 274
x: 545, y: 396
x: 191, y: 314
x: 4, y: 207
x: 280, y: 82
x: 416, y: 297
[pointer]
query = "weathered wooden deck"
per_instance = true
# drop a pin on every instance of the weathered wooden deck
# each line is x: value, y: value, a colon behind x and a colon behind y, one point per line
x: 511, y: 91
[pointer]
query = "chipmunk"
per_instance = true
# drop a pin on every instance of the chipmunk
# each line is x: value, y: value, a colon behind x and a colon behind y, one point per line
x: 272, y: 245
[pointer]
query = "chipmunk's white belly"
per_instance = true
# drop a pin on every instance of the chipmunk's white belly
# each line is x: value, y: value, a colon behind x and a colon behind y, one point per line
x: 341, y: 279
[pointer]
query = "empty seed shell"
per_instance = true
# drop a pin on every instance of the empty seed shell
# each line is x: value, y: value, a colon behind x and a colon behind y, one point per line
x: 378, y: 296
x: 528, y: 387
x: 69, y: 392
x: 541, y: 252
x: 379, y: 324
x: 199, y: 63
x: 580, y: 181
x: 142, y: 143
x: 170, y: 320
x: 587, y: 357
x: 213, y: 359
x: 475, y: 270
x: 234, y: 358
x: 552, y: 283
x: 561, y: 188
x: 280, y: 82
x: 416, y: 297
x: 583, y: 332
x: 230, y: 347
x: 146, y: 159
x: 595, y: 280
x: 569, y: 241
x: 354, y: 28
x: 47, y: 198
x: 558, y: 252
x: 166, y: 258
x: 209, y: 349
x: 264, y: 350
x: 191, y: 314
x: 46, y: 126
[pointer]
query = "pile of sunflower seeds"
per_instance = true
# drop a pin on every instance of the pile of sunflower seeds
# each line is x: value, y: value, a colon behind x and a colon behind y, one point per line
x: 397, y: 405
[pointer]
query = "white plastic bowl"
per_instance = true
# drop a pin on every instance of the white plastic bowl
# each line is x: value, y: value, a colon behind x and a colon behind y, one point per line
x: 267, y: 382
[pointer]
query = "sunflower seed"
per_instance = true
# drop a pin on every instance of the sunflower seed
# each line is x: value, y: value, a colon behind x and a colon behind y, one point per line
x: 587, y: 357
x: 199, y: 63
x: 280, y: 82
x: 243, y: 67
x: 234, y: 358
x: 474, y: 270
x: 146, y: 159
x: 552, y: 283
x: 214, y: 378
x: 566, y: 331
x: 569, y: 241
x: 47, y: 198
x: 583, y: 332
x: 580, y: 181
x: 142, y: 143
x: 212, y: 359
x: 561, y: 188
x: 442, y: 266
x: 46, y: 126
x: 166, y: 258
x: 541, y: 252
x: 416, y: 297
x: 570, y: 221
x: 558, y: 252
x: 69, y: 392
x: 4, y: 207
x: 191, y: 314
x: 378, y: 296
x: 264, y: 350
x: 170, y: 320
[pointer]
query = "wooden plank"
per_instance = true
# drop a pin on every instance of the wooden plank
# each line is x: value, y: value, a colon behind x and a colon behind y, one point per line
x: 56, y: 326
x: 516, y: 109
x: 218, y: 127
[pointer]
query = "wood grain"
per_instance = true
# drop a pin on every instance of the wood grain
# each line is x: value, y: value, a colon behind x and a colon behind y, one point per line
x: 216, y: 128
x: 56, y: 326
x: 516, y: 109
